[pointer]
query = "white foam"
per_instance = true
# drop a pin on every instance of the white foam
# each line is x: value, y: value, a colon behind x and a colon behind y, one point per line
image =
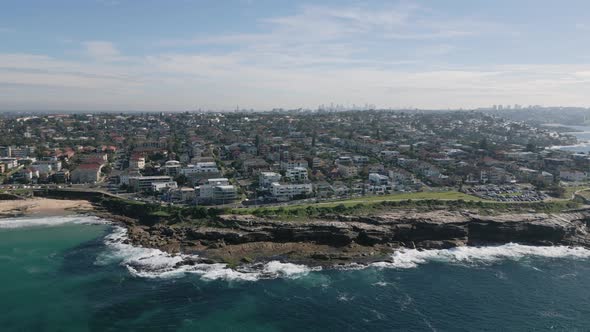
x: 345, y: 297
x: 410, y: 258
x: 154, y: 263
x: 91, y: 220
x: 284, y: 269
x: 135, y: 257
x: 583, y: 144
x: 21, y: 222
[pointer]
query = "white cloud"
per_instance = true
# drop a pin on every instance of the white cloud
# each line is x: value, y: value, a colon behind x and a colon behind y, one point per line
x: 358, y: 36
x: 184, y: 81
x: 109, y: 2
x: 103, y: 51
x: 62, y: 80
x: 328, y: 24
x: 316, y: 56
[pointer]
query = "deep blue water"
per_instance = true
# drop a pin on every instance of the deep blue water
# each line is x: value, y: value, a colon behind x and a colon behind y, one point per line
x: 65, y: 278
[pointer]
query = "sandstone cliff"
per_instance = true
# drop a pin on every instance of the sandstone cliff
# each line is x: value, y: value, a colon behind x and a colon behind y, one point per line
x: 340, y: 239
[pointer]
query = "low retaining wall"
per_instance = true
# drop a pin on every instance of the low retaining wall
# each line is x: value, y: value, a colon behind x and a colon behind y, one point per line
x: 70, y: 194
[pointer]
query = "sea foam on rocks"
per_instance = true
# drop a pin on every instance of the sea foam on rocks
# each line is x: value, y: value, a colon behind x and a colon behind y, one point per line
x: 411, y: 258
x: 154, y: 263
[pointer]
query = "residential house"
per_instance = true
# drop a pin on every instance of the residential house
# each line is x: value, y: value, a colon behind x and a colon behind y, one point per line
x: 87, y: 173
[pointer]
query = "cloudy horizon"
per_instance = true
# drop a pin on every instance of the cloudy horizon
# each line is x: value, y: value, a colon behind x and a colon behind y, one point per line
x: 185, y: 55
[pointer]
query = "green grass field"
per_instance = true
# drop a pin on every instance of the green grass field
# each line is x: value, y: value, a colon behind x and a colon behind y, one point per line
x: 584, y: 193
x: 419, y: 200
x: 371, y: 200
x: 426, y: 195
x: 569, y: 191
x: 20, y: 191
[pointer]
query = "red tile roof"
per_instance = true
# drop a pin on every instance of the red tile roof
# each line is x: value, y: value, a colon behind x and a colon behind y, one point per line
x: 90, y: 166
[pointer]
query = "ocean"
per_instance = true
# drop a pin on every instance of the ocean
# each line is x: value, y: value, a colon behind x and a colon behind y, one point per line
x: 582, y: 133
x: 77, y: 274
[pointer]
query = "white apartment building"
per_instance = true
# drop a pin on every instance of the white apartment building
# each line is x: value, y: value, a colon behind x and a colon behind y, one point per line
x: 47, y: 165
x: 163, y: 186
x: 137, y: 163
x: 200, y: 168
x: 360, y: 160
x: 9, y: 162
x: 288, y: 191
x: 290, y: 164
x: 297, y: 174
x: 172, y: 167
x: 377, y: 179
x: 145, y: 183
x: 217, y: 191
x: 572, y: 175
x: 265, y: 179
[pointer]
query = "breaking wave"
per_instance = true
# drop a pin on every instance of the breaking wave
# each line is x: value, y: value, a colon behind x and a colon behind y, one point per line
x: 411, y: 258
x: 154, y: 263
x: 22, y: 222
x: 583, y: 144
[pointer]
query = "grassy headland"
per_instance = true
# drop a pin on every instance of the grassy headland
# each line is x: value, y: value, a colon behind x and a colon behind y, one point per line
x: 425, y: 201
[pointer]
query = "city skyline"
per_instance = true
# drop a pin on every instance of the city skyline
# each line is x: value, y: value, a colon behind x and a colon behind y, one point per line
x: 184, y: 55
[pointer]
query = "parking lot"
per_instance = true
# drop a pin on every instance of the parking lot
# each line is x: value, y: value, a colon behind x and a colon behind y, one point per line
x: 507, y: 193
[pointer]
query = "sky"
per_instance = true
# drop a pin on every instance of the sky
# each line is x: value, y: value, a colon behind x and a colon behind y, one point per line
x: 178, y: 55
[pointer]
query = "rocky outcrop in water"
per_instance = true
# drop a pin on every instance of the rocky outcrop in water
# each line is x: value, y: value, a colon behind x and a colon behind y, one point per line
x: 354, y: 238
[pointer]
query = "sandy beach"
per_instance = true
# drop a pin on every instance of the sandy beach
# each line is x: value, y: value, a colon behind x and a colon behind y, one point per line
x: 42, y: 206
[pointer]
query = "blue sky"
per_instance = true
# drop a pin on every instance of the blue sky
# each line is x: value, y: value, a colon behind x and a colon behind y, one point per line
x: 261, y: 54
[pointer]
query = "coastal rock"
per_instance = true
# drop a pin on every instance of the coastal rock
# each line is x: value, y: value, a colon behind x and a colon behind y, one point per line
x: 361, y: 239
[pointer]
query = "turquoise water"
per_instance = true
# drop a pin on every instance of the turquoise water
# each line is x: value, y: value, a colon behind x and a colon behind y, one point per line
x: 68, y: 278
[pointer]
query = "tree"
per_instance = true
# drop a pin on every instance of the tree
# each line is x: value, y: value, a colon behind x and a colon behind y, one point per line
x: 531, y: 147
x: 557, y: 191
x: 483, y: 144
x: 106, y: 169
x: 257, y: 141
x: 181, y: 179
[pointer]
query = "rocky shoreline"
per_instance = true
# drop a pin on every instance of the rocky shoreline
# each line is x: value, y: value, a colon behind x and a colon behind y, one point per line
x: 342, y: 240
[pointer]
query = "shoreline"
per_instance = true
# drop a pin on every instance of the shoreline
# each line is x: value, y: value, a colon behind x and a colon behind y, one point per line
x: 242, y: 240
x: 42, y: 207
x: 328, y: 241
